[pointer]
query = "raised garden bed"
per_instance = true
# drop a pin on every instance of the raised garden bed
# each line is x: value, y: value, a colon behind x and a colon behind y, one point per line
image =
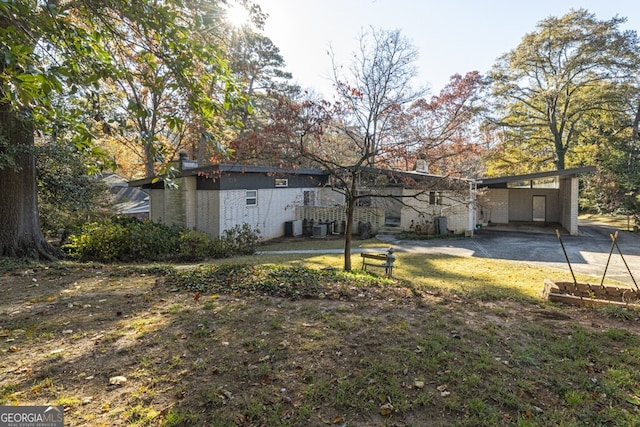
x: 586, y: 294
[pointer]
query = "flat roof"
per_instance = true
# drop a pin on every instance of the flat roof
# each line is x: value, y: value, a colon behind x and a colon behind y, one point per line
x: 227, y: 167
x: 561, y: 172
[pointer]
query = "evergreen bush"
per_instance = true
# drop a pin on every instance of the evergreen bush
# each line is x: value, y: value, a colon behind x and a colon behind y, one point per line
x: 129, y: 239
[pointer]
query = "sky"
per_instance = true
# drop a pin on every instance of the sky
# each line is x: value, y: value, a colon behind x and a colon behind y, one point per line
x: 451, y: 36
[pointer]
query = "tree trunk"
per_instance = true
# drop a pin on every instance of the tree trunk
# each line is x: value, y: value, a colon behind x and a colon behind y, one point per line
x: 636, y: 126
x: 348, y: 232
x: 20, y: 232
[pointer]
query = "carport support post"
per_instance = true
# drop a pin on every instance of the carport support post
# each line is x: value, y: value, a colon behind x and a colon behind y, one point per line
x: 473, y: 188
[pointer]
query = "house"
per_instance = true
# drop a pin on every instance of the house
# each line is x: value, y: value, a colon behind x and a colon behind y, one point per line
x: 538, y: 198
x: 273, y: 200
x: 279, y: 201
x: 423, y: 202
x: 126, y: 200
x: 216, y: 198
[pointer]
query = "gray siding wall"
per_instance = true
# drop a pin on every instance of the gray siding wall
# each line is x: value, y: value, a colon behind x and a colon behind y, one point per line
x: 208, y: 212
x: 175, y: 205
x: 494, y: 206
x: 521, y: 204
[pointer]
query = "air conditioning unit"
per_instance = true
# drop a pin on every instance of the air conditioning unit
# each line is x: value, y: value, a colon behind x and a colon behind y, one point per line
x: 319, y: 230
x: 293, y: 228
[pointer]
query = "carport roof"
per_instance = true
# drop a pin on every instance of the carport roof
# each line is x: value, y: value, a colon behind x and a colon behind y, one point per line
x: 563, y: 172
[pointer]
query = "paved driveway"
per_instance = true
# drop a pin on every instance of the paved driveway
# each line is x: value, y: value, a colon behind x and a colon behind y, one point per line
x: 588, y: 252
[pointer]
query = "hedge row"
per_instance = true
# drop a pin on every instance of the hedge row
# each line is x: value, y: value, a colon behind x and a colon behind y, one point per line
x: 129, y: 239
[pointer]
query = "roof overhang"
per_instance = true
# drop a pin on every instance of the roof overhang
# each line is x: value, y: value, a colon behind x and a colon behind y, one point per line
x: 227, y: 168
x: 560, y: 173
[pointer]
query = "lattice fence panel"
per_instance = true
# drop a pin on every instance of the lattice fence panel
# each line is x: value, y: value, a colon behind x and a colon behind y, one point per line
x: 337, y: 214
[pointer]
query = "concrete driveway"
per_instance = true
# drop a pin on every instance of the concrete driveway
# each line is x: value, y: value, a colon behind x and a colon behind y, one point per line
x: 588, y: 252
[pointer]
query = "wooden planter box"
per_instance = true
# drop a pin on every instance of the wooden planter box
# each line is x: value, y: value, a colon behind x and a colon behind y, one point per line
x: 585, y: 294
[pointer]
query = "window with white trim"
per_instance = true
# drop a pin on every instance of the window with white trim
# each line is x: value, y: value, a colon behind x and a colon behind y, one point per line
x: 252, y: 197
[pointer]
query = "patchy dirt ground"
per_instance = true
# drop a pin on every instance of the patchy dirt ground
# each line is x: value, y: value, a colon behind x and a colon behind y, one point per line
x: 116, y: 347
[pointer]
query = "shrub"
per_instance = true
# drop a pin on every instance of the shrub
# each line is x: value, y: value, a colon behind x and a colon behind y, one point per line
x: 239, y: 240
x: 194, y: 245
x: 218, y: 248
x: 125, y: 239
x: 129, y: 239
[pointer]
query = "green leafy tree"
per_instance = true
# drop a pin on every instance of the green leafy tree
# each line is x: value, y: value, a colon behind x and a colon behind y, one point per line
x: 558, y: 76
x: 260, y: 68
x: 68, y: 194
x: 616, y: 186
x: 63, y: 48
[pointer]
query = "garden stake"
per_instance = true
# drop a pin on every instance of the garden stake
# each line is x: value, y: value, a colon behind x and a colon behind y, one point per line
x: 623, y: 260
x: 613, y: 244
x: 575, y: 282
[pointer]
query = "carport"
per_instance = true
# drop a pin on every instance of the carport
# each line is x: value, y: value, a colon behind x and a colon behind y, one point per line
x: 537, y: 199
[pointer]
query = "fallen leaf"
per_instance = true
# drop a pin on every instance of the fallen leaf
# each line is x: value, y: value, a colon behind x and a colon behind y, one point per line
x: 284, y: 344
x: 634, y: 400
x: 386, y: 409
x: 117, y: 380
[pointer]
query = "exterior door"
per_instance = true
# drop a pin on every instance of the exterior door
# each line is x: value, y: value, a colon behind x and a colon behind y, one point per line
x: 539, y: 208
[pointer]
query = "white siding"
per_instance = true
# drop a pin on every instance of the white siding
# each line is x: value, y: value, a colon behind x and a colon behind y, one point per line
x: 275, y: 207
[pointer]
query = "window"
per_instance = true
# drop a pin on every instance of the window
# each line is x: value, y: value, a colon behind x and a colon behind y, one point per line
x: 252, y: 197
x: 364, y: 198
x: 435, y: 198
x: 551, y: 182
x: 309, y: 198
x: 282, y: 182
x: 519, y: 184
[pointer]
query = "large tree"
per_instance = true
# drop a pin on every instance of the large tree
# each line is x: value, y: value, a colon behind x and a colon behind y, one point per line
x: 353, y: 134
x: 558, y: 75
x: 376, y: 86
x: 259, y: 67
x: 444, y: 131
x: 61, y: 48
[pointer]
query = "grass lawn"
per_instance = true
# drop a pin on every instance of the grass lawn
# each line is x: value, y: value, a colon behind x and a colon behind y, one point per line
x: 289, y: 340
x: 622, y: 222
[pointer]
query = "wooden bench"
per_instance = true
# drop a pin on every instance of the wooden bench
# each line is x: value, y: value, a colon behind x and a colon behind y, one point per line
x: 384, y: 260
